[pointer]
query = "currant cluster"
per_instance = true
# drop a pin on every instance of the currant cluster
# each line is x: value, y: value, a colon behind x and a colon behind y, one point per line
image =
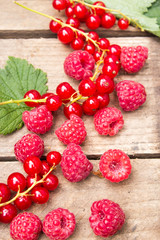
x: 33, y: 188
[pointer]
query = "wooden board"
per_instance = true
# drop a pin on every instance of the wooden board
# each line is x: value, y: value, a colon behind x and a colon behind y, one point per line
x: 138, y: 196
x: 140, y: 134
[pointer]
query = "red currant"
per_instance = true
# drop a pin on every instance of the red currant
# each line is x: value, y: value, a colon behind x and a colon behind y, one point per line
x: 23, y: 202
x: 73, y: 108
x: 114, y: 49
x: 110, y: 70
x: 40, y: 195
x: 53, y: 158
x: 7, y: 213
x: 5, y: 193
x: 50, y: 182
x: 97, y: 55
x: 108, y: 20
x: 66, y: 35
x: 74, y: 22
x: 53, y: 102
x: 93, y: 35
x: 77, y: 44
x: 55, y: 26
x: 80, y: 35
x: 69, y: 11
x: 103, y: 99
x: 112, y: 59
x: 103, y: 43
x: 90, y: 48
x: 45, y: 96
x: 90, y: 106
x: 123, y: 23
x: 34, y: 95
x: 80, y: 10
x: 45, y: 168
x: 32, y: 165
x: 32, y: 179
x: 87, y: 88
x: 99, y: 11
x: 93, y: 21
x: 64, y: 90
x: 16, y: 181
x: 59, y: 4
x: 104, y: 84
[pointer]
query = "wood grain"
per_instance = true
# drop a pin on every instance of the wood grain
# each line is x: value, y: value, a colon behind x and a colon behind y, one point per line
x: 140, y: 134
x: 139, y: 197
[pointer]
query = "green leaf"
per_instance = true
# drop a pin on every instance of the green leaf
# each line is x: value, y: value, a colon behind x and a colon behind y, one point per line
x: 154, y: 11
x: 135, y: 10
x: 16, y: 79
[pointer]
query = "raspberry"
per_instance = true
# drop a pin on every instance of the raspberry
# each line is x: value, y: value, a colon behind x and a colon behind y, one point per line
x: 115, y: 165
x: 59, y: 224
x: 39, y: 120
x: 108, y: 121
x: 79, y: 65
x: 133, y: 58
x: 25, y: 226
x: 75, y: 165
x: 29, y: 145
x: 131, y: 95
x: 72, y: 131
x: 106, y: 218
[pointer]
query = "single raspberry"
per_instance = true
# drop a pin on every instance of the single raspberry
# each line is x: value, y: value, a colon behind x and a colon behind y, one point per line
x: 133, y: 58
x: 59, y: 224
x: 39, y: 120
x: 75, y: 165
x: 25, y: 226
x: 115, y: 165
x: 106, y: 218
x: 79, y: 65
x: 72, y: 131
x: 108, y: 121
x: 131, y: 95
x: 29, y: 145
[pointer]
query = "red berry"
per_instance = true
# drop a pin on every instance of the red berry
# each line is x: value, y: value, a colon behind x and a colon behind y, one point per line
x: 32, y: 165
x: 64, y: 90
x: 108, y: 20
x: 69, y: 11
x: 40, y: 195
x: 77, y: 44
x: 7, y: 213
x: 53, y: 102
x: 114, y: 49
x: 99, y: 11
x: 23, y: 202
x: 50, y: 182
x: 73, y: 108
x: 34, y: 95
x: 87, y: 88
x: 90, y: 106
x: 45, y: 168
x: 59, y: 4
x: 104, y: 84
x: 103, y: 43
x: 93, y: 35
x: 55, y: 26
x: 74, y: 22
x: 5, y: 193
x: 93, y: 21
x: 68, y: 3
x: 123, y: 23
x: 80, y: 35
x: 32, y: 179
x: 103, y: 99
x: 45, y: 96
x: 90, y: 48
x: 66, y: 35
x: 110, y: 70
x: 80, y: 10
x: 112, y: 59
x: 16, y: 181
x: 53, y: 158
x: 97, y: 55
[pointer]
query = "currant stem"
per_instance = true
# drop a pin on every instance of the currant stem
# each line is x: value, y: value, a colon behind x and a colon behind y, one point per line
x: 23, y: 100
x: 19, y: 194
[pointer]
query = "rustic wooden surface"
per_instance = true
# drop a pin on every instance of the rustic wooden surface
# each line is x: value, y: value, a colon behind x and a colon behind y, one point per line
x: 26, y: 35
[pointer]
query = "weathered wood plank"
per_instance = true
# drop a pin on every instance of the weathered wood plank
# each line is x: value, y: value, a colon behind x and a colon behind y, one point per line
x: 140, y: 134
x: 138, y: 196
x: 19, y: 20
